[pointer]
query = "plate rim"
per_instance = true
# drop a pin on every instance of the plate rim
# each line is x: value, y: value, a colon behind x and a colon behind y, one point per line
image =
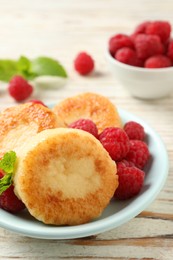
x: 110, y: 222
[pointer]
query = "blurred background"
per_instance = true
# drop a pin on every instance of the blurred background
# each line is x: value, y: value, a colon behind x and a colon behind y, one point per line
x: 62, y: 28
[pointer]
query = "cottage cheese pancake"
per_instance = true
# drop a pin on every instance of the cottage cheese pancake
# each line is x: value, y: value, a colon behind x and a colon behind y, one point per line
x: 65, y: 177
x: 89, y: 106
x: 21, y: 122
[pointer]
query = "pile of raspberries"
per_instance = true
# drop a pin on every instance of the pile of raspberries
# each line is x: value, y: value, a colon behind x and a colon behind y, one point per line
x: 127, y: 147
x: 149, y: 46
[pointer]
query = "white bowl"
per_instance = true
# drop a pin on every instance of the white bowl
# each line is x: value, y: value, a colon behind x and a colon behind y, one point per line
x: 141, y: 82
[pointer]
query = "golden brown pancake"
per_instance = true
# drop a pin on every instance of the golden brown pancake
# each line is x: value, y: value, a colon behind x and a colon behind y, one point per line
x: 65, y: 177
x: 90, y: 106
x: 19, y: 123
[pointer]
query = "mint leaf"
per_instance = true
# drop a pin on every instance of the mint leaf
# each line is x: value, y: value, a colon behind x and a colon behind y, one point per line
x: 8, y: 68
x: 8, y: 161
x: 23, y: 64
x: 7, y: 165
x: 47, y: 66
x: 24, y: 68
x: 41, y: 66
x: 5, y: 182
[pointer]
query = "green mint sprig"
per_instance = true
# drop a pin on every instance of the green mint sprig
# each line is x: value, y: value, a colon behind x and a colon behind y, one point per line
x: 7, y: 165
x: 31, y: 69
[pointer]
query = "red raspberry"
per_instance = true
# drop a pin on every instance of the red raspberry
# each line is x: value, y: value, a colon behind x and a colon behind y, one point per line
x: 35, y: 101
x: 127, y: 56
x: 1, y: 172
x: 9, y: 201
x: 131, y: 180
x: 158, y: 61
x: 147, y: 46
x: 124, y: 163
x: 134, y: 130
x: 139, y: 63
x: 138, y: 153
x: 141, y: 28
x: 115, y: 141
x: 119, y: 41
x: 83, y: 63
x: 170, y: 50
x: 19, y: 88
x: 86, y: 125
x: 160, y: 28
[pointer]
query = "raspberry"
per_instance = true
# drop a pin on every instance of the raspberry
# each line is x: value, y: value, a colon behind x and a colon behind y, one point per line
x: 124, y: 163
x: 119, y: 41
x: 160, y: 28
x: 9, y: 201
x: 158, y: 61
x: 170, y: 50
x: 35, y: 101
x: 115, y: 141
x: 19, y: 88
x: 131, y: 180
x: 134, y: 130
x: 1, y: 172
x: 139, y: 63
x: 127, y: 56
x: 141, y: 28
x: 83, y: 63
x: 138, y: 153
x: 86, y: 125
x: 147, y: 46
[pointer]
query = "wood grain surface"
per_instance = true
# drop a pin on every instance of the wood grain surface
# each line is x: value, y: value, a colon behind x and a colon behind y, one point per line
x: 61, y: 29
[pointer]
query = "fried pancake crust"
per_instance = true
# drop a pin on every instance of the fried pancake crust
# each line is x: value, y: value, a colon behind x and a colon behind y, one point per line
x: 65, y: 177
x: 90, y: 106
x: 19, y: 123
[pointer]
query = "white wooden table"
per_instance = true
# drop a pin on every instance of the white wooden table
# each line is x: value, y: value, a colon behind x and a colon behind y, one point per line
x: 61, y: 29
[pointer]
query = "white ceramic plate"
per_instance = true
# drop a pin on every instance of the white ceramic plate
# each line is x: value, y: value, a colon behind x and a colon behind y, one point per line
x: 116, y: 214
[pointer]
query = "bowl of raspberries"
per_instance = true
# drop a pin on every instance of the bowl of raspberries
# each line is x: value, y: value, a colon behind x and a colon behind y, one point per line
x: 143, y: 60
